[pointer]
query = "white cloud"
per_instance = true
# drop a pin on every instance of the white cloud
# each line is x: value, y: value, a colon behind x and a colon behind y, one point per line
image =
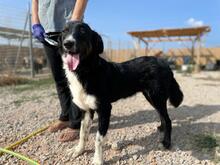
x: 194, y: 23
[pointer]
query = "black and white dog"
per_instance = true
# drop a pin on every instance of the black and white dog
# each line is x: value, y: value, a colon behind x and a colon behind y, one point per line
x: 96, y: 83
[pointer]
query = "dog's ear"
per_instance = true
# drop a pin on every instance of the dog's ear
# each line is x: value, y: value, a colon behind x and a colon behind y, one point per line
x: 59, y: 40
x: 97, y: 43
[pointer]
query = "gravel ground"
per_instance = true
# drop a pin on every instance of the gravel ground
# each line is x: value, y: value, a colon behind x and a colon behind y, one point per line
x: 132, y: 137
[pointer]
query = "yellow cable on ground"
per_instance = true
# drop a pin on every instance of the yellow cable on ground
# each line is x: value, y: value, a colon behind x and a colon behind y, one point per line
x: 12, y: 146
x: 15, y: 154
x: 26, y: 138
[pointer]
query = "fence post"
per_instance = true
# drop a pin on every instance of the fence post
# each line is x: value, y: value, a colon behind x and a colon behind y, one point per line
x: 21, y: 41
x: 30, y: 43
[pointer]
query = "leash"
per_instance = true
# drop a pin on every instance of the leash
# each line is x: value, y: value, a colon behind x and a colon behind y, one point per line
x: 22, y: 157
x: 47, y: 38
x: 15, y: 144
x: 12, y: 146
x: 7, y: 149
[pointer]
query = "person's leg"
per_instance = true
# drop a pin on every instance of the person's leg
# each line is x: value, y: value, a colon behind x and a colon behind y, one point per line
x: 70, y: 114
x: 72, y: 132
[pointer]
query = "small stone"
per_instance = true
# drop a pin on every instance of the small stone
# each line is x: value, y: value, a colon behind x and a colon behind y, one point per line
x: 197, y: 162
x: 190, y: 118
x: 116, y: 146
x: 135, y: 157
x: 217, y: 152
x: 175, y: 124
x: 124, y: 152
x: 160, y: 146
x: 140, y: 158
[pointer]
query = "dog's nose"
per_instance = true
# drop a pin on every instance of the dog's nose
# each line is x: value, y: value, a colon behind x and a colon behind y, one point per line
x: 68, y: 44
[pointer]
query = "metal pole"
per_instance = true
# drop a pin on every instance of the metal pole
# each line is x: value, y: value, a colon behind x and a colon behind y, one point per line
x: 119, y: 52
x: 110, y: 49
x: 21, y: 41
x: 193, y: 52
x: 30, y: 43
x: 197, y: 69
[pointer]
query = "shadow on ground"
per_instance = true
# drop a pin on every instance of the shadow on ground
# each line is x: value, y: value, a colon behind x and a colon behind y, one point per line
x: 183, y: 131
x: 209, y: 78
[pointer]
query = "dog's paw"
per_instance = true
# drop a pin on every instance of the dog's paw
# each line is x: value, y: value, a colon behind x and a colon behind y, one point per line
x: 97, y: 161
x: 166, y: 144
x: 75, y: 152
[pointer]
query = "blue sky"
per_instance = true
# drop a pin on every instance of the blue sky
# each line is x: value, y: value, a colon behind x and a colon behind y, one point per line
x: 114, y: 17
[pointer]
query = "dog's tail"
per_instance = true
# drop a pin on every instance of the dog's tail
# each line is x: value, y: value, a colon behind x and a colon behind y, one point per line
x: 176, y: 95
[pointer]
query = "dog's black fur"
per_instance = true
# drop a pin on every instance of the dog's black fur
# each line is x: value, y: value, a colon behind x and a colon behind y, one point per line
x: 109, y: 81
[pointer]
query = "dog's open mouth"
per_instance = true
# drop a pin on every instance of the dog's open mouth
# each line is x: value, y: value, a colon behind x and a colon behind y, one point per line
x: 72, y: 60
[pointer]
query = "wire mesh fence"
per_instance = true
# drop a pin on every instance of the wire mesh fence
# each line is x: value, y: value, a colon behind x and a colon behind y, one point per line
x: 19, y: 54
x: 22, y: 55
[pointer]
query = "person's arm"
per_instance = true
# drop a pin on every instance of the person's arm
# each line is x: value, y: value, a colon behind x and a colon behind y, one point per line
x: 37, y: 28
x: 35, y: 17
x: 79, y: 10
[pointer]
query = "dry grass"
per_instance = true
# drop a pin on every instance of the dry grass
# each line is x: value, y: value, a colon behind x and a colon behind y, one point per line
x: 12, y: 80
x: 207, y: 142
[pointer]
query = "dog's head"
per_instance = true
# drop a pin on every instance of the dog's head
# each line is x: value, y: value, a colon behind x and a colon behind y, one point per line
x: 79, y: 43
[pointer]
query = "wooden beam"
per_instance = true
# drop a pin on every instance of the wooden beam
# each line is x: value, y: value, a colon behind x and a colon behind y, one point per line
x: 171, y: 32
x: 166, y: 40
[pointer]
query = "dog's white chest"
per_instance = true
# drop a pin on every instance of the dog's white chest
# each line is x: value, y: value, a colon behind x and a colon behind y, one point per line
x: 80, y: 97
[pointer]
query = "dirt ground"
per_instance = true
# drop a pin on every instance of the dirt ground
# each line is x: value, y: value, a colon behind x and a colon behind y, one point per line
x: 132, y: 138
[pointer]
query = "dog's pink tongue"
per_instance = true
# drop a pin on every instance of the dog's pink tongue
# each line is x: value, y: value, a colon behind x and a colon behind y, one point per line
x: 72, y: 61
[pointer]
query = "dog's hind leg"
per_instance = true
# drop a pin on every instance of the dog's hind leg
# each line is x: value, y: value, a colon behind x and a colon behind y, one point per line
x: 159, y: 102
x: 104, y: 113
x: 147, y: 96
x: 84, y: 132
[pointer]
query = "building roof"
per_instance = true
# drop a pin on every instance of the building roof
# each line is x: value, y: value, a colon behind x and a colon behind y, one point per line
x: 10, y: 33
x: 179, y: 32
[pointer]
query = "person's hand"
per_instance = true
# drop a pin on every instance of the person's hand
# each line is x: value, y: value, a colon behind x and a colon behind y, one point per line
x: 38, y: 32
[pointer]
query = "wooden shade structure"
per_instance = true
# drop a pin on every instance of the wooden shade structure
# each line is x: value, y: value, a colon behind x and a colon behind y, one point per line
x: 193, y: 35
x: 170, y: 32
x: 10, y: 33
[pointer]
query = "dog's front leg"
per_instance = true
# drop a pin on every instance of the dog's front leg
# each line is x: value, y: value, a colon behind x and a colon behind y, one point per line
x: 83, y: 136
x: 104, y: 113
